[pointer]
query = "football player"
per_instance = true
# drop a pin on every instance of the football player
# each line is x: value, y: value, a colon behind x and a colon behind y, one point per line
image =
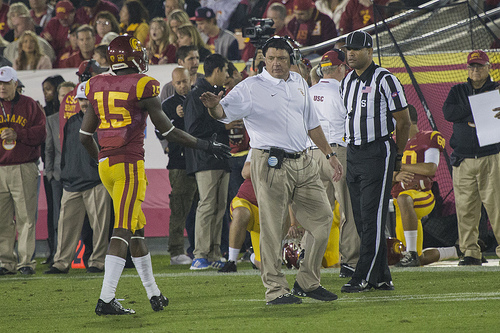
x: 119, y: 106
x: 412, y: 189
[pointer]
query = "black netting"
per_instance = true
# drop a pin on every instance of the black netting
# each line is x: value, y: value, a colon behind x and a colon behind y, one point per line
x: 427, y: 51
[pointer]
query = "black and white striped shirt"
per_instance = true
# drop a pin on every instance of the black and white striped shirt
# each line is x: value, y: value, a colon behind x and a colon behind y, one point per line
x: 370, y: 99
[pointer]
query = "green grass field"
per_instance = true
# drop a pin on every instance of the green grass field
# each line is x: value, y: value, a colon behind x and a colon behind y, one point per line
x: 430, y: 299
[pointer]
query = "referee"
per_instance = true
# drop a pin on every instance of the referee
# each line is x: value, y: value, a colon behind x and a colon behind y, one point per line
x: 374, y: 98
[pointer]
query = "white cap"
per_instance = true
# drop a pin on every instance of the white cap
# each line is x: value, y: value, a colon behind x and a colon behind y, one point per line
x: 7, y: 74
x: 80, y: 92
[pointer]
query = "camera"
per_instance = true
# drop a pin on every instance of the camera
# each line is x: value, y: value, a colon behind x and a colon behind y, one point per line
x: 260, y: 31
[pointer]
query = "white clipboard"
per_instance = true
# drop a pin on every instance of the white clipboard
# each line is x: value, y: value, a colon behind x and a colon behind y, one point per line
x: 487, y: 126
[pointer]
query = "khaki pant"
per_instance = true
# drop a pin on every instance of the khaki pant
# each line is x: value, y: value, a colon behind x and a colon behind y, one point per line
x: 476, y: 181
x: 349, y: 238
x: 18, y: 196
x: 297, y: 182
x: 94, y: 202
x: 181, y: 198
x: 212, y: 187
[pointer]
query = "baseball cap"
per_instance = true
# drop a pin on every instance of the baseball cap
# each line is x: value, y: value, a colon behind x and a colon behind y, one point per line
x: 358, y: 40
x: 477, y: 57
x: 334, y: 57
x: 7, y: 74
x: 63, y: 9
x: 302, y: 4
x: 80, y: 92
x: 203, y: 13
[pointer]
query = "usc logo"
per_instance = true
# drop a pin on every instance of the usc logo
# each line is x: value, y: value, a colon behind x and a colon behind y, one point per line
x: 135, y: 44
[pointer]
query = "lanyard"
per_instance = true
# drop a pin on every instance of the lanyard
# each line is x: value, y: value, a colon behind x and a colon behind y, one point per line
x: 11, y: 111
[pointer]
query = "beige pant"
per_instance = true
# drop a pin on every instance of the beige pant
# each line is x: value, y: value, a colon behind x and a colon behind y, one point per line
x: 19, y: 198
x: 94, y: 202
x: 212, y: 187
x: 297, y: 182
x: 476, y: 181
x: 349, y: 238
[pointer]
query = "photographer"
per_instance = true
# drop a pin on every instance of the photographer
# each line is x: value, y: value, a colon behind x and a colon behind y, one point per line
x: 278, y: 115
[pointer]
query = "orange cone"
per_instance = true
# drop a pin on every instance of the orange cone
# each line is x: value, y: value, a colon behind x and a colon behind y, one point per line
x: 78, y: 261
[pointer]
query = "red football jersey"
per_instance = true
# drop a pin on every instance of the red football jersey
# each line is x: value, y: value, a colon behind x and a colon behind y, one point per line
x: 122, y: 122
x: 246, y: 192
x: 415, y: 153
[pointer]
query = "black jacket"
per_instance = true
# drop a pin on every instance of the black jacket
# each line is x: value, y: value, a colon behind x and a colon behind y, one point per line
x: 201, y: 125
x: 79, y: 171
x: 176, y: 152
x: 456, y: 109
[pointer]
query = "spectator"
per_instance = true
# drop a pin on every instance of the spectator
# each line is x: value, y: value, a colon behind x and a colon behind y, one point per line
x: 358, y: 14
x: 105, y: 22
x: 160, y: 50
x: 223, y: 9
x: 19, y: 175
x: 412, y: 200
x: 89, y: 9
x: 332, y: 8
x: 100, y: 56
x: 475, y: 168
x: 190, y: 6
x: 26, y: 24
x: 171, y: 5
x: 30, y: 56
x: 187, y: 35
x: 14, y: 21
x: 245, y: 11
x: 133, y: 20
x: 57, y: 31
x: 4, y: 27
x: 71, y: 48
x: 52, y: 157
x: 85, y: 38
x: 187, y: 57
x: 212, y: 175
x: 41, y: 12
x: 83, y: 193
x: 176, y: 18
x: 183, y: 186
x: 288, y: 5
x: 109, y: 37
x: 217, y: 40
x: 310, y: 27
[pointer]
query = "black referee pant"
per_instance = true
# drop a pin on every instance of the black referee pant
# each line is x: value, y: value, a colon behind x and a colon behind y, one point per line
x: 369, y: 178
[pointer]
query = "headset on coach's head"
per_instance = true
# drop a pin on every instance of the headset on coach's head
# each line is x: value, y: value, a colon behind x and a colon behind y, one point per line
x: 294, y: 52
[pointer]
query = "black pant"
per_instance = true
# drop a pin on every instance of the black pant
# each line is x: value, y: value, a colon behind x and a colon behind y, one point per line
x: 369, y: 178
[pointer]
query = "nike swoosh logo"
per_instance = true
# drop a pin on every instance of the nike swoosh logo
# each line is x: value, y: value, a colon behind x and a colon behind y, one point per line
x: 272, y: 95
x: 412, y: 146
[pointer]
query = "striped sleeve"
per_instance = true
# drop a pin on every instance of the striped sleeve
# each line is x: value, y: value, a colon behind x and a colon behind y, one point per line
x: 394, y: 93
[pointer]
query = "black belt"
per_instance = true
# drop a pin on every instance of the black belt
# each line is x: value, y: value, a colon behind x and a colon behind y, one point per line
x: 287, y: 155
x: 368, y: 144
x: 333, y: 145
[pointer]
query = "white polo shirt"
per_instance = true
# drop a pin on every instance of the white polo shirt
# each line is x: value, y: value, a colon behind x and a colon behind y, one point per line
x: 276, y: 113
x: 331, y: 111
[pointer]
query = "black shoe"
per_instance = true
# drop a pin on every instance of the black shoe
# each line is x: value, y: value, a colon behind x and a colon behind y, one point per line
x: 470, y: 261
x: 410, y: 259
x: 49, y: 261
x: 319, y: 293
x: 285, y: 299
x: 112, y: 308
x: 346, y: 271
x: 93, y: 269
x: 385, y: 286
x: 355, y: 287
x: 54, y: 270
x: 229, y: 267
x: 158, y: 302
x: 5, y: 271
x: 460, y: 254
x: 26, y: 271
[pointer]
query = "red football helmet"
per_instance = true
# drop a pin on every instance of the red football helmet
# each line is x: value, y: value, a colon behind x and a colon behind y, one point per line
x: 292, y: 253
x: 395, y: 250
x: 127, y: 52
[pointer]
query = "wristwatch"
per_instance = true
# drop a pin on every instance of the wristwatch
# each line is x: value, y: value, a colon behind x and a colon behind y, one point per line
x: 330, y: 155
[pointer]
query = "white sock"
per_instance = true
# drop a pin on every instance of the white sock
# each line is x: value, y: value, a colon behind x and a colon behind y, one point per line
x: 411, y: 240
x: 113, y: 268
x: 447, y: 253
x: 233, y: 254
x: 252, y: 258
x: 145, y: 270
